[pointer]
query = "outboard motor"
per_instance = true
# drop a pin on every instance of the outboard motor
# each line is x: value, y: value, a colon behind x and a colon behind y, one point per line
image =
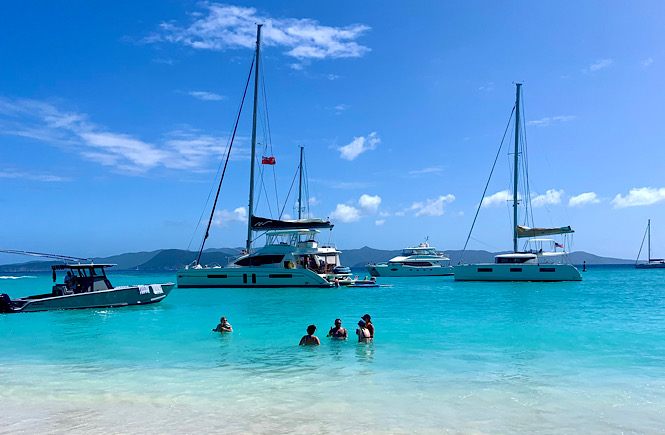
x: 5, y: 304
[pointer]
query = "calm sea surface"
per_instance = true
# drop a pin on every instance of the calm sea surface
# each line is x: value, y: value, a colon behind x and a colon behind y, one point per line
x: 448, y: 356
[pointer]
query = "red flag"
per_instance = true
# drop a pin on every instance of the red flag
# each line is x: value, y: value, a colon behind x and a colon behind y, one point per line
x: 267, y: 160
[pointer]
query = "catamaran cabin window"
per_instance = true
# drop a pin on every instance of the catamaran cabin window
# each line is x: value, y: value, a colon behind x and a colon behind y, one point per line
x: 260, y: 260
x: 512, y: 259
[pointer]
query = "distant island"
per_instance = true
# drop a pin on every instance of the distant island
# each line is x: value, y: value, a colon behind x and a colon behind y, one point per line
x: 173, y: 259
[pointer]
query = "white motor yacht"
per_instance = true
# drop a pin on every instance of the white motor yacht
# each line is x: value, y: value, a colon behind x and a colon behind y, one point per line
x: 422, y: 260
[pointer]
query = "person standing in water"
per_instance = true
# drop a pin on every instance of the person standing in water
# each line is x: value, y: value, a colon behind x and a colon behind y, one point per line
x: 223, y: 326
x: 363, y: 332
x: 368, y: 323
x: 310, y: 339
x: 338, y: 332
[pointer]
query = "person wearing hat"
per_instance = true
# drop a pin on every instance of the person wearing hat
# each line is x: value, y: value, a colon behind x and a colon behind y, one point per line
x: 363, y: 332
x: 368, y: 323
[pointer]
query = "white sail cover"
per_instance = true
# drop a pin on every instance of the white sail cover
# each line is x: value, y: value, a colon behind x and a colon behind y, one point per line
x: 537, y: 232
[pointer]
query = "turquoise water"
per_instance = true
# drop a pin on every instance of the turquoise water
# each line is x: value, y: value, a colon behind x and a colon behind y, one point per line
x: 448, y: 356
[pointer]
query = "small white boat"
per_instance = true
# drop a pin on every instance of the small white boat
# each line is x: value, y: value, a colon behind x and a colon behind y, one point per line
x: 422, y: 260
x: 529, y: 264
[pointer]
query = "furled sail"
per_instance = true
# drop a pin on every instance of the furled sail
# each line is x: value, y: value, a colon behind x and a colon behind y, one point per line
x: 260, y: 224
x: 537, y: 232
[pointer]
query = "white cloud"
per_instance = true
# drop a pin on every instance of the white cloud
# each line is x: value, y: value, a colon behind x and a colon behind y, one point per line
x: 647, y: 62
x: 489, y: 87
x: 379, y: 222
x: 345, y: 213
x: 31, y: 176
x: 604, y: 63
x: 350, y: 185
x: 313, y: 201
x: 223, y: 218
x: 583, y: 199
x: 206, y: 96
x: 367, y: 205
x: 545, y: 122
x: 359, y: 146
x: 341, y: 108
x: 223, y: 27
x: 182, y: 149
x: 552, y: 196
x: 432, y: 207
x: 426, y: 171
x: 333, y: 76
x: 498, y: 199
x: 639, y: 196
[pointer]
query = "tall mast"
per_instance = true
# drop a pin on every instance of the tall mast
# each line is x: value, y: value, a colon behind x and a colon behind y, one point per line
x: 300, y: 186
x: 649, y: 240
x: 515, y: 169
x: 253, y: 153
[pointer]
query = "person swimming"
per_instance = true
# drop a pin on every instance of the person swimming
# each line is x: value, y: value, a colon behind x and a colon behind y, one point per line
x: 310, y: 339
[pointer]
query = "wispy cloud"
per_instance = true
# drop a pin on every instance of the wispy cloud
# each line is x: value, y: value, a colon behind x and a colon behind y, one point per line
x: 48, y: 178
x: 583, y: 199
x: 341, y: 108
x: 206, y: 96
x: 489, y: 87
x: 379, y: 222
x: 424, y: 171
x: 545, y: 122
x: 432, y: 207
x: 639, y: 196
x: 358, y: 146
x: 333, y: 76
x: 367, y: 205
x: 552, y: 196
x: 601, y: 64
x: 182, y: 149
x: 223, y: 27
x: 647, y: 62
x: 498, y: 199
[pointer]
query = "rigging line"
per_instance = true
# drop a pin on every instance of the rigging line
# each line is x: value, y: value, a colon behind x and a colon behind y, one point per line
x: 642, y: 245
x: 263, y: 186
x: 219, y: 167
x: 289, y: 194
x: 40, y: 254
x: 525, y: 159
x: 228, y: 155
x: 269, y: 132
x: 486, y: 185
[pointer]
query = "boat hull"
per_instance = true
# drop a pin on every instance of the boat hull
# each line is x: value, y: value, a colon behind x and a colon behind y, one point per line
x: 650, y: 266
x: 250, y: 277
x: 397, y: 269
x: 516, y: 272
x: 115, y: 297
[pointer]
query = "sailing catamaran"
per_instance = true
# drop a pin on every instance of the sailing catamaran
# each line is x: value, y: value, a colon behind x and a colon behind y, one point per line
x: 652, y: 263
x: 526, y: 265
x: 291, y: 257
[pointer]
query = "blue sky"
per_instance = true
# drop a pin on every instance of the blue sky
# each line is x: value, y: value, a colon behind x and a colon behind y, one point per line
x: 114, y: 118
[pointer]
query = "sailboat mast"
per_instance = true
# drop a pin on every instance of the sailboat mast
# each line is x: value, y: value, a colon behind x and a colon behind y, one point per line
x: 515, y: 169
x: 649, y: 239
x: 300, y: 186
x: 253, y: 153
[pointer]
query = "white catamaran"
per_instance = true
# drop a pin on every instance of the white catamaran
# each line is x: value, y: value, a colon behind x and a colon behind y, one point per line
x: 530, y: 264
x: 652, y: 263
x: 291, y: 257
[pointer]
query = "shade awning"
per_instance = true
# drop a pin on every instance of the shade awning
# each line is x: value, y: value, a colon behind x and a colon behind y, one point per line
x: 261, y: 224
x: 523, y: 231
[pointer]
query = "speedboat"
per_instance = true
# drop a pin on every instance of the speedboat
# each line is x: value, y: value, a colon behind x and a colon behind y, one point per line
x: 422, y: 260
x: 86, y: 286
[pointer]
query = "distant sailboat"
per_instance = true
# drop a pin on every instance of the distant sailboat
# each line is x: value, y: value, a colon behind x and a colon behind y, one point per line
x: 528, y: 265
x: 652, y: 263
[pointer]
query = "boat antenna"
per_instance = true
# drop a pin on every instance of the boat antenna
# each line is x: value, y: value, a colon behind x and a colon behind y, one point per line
x: 253, y: 152
x: 515, y: 169
x: 40, y: 254
x: 228, y: 155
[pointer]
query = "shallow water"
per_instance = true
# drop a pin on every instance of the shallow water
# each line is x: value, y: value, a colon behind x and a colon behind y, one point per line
x: 448, y: 357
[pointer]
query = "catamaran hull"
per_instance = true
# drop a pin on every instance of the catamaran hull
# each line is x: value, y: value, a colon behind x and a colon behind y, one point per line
x: 516, y: 272
x: 402, y: 270
x: 115, y: 297
x: 650, y: 266
x: 227, y: 277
